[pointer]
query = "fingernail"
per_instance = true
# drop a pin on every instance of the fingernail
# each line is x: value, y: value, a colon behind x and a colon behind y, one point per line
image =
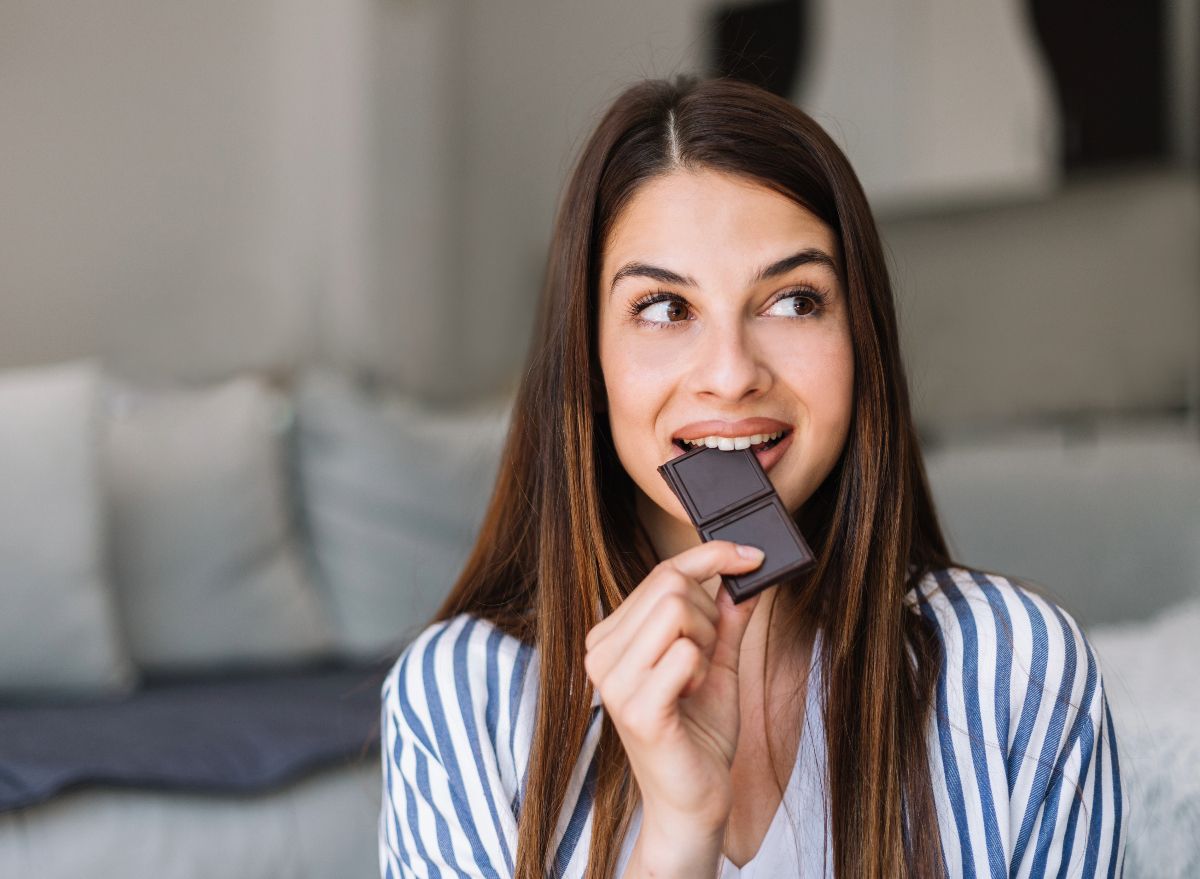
x: 751, y: 552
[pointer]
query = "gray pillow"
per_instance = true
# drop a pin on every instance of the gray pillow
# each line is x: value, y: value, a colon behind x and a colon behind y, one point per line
x: 394, y: 494
x: 208, y: 568
x: 1152, y: 686
x: 59, y: 630
x: 1110, y: 524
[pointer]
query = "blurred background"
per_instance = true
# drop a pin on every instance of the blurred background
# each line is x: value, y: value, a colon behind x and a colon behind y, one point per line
x: 299, y: 243
x: 195, y: 190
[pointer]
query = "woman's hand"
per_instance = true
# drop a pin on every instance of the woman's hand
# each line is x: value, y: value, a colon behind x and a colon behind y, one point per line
x: 666, y: 666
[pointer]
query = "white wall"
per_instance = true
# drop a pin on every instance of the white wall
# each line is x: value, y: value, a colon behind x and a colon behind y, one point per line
x: 195, y: 189
x: 409, y: 200
x: 1086, y: 304
x: 936, y: 102
x: 159, y: 206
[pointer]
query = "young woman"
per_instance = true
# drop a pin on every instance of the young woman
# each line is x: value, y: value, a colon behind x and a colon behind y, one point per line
x: 591, y: 703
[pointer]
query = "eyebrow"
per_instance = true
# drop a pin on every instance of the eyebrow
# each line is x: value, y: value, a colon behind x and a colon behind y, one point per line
x: 811, y: 256
x: 654, y: 273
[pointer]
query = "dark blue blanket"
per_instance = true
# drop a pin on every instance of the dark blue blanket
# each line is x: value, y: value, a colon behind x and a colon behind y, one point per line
x: 234, y: 735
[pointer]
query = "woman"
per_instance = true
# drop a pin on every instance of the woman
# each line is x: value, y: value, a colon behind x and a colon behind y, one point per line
x: 592, y: 703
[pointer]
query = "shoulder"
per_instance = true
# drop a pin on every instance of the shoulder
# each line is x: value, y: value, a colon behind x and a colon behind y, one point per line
x: 986, y: 619
x: 1020, y: 736
x: 456, y: 731
x: 461, y: 673
x: 1017, y: 670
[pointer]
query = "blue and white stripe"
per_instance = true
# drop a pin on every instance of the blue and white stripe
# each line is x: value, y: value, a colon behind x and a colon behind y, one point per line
x: 1021, y: 746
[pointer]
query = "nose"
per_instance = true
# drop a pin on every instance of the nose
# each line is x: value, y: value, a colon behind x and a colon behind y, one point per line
x: 728, y: 368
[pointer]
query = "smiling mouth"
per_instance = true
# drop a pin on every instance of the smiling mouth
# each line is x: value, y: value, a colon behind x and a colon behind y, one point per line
x: 757, y: 442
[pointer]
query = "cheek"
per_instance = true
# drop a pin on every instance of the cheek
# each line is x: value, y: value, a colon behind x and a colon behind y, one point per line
x: 639, y: 383
x: 831, y: 407
x: 830, y: 411
x: 820, y: 373
x: 627, y: 413
x: 635, y: 395
x: 819, y: 367
x: 832, y: 390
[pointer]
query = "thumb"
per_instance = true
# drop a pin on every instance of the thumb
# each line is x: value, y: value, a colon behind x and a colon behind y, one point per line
x: 731, y: 628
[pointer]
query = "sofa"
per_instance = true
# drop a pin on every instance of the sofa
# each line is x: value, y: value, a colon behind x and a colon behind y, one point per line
x: 202, y: 588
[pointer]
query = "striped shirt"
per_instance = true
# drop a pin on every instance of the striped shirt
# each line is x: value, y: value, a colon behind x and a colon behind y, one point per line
x: 1025, y: 776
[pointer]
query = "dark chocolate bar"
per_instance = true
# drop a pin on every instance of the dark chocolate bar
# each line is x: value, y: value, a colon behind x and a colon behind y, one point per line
x: 729, y: 497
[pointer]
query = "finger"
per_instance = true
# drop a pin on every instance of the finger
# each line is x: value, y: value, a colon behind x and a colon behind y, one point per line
x: 731, y: 628
x: 627, y: 607
x: 697, y: 564
x: 707, y: 560
x: 654, y: 703
x: 659, y: 593
x: 663, y: 579
x: 628, y: 660
x: 603, y: 628
x: 618, y: 663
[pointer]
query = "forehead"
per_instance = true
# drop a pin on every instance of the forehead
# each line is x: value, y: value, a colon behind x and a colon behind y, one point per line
x: 707, y: 218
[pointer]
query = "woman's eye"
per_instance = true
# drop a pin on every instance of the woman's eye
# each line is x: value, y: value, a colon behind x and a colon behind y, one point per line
x: 667, y: 311
x: 795, y: 305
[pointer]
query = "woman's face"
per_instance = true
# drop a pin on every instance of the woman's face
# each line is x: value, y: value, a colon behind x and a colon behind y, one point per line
x: 722, y: 314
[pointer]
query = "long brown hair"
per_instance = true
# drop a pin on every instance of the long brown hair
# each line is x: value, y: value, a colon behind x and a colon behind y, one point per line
x: 561, y: 546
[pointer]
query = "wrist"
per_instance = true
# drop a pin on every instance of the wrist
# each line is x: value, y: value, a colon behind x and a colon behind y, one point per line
x: 671, y: 845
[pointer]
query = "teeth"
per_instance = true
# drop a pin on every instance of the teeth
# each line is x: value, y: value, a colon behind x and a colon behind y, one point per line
x: 730, y: 443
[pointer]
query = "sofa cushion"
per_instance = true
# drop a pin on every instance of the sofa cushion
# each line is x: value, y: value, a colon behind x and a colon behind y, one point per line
x: 1150, y: 677
x: 394, y: 495
x: 322, y: 827
x: 59, y: 629
x: 1108, y: 523
x: 208, y: 566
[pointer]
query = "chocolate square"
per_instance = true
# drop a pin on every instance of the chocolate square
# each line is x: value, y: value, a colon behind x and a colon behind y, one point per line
x: 711, y: 483
x: 729, y: 497
x: 768, y: 526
